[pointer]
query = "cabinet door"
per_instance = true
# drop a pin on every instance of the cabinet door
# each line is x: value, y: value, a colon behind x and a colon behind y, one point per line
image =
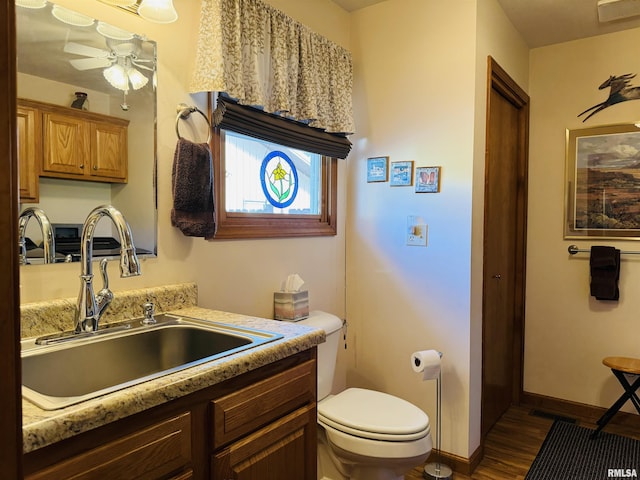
x: 162, y: 450
x: 109, y: 151
x: 66, y: 144
x: 285, y: 449
x: 29, y: 153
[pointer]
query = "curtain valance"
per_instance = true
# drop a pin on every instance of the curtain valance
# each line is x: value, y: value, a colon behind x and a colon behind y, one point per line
x: 230, y: 115
x: 261, y: 57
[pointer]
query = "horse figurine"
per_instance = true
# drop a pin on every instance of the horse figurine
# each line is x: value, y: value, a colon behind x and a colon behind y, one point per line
x: 620, y: 91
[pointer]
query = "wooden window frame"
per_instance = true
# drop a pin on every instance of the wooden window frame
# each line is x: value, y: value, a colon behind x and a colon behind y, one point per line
x: 232, y: 225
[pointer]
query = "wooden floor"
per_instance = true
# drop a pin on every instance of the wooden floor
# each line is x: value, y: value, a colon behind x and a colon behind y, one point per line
x: 513, y: 444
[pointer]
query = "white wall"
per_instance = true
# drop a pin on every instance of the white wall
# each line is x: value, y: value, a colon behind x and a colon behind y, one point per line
x: 421, y: 96
x: 568, y: 332
x: 414, y: 101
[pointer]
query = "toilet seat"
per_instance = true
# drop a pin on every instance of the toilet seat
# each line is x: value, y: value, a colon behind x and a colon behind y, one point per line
x: 373, y: 415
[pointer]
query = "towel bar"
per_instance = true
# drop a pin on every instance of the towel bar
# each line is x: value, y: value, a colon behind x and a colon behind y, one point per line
x: 184, y: 112
x: 573, y: 249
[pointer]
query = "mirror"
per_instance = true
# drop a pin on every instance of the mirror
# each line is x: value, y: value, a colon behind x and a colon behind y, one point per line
x: 61, y: 52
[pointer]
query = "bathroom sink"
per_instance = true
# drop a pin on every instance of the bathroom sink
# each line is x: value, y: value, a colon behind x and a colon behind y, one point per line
x: 73, y: 369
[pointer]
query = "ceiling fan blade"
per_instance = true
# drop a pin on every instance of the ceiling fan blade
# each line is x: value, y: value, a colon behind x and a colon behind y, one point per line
x: 89, y: 63
x: 144, y: 67
x: 85, y: 50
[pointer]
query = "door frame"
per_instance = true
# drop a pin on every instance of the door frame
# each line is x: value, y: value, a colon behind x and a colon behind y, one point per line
x: 501, y: 82
x: 11, y: 411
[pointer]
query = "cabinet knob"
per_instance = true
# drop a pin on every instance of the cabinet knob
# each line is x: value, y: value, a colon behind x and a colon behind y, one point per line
x: 95, y: 167
x: 82, y: 165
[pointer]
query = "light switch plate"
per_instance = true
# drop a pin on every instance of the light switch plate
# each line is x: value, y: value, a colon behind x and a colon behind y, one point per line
x: 416, y: 232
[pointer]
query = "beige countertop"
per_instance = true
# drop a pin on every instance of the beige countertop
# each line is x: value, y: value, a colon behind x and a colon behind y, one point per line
x: 44, y: 427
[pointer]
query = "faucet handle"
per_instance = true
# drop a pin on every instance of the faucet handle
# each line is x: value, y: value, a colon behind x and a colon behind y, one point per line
x: 103, y: 273
x: 149, y: 311
x: 104, y: 296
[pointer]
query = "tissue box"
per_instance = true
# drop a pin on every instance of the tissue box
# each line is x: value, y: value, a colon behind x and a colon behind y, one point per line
x: 292, y: 306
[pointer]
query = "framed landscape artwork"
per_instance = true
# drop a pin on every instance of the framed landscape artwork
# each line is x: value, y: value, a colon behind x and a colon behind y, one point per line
x: 603, y: 182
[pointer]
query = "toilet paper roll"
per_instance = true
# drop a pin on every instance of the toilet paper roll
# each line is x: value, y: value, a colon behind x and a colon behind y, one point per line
x: 426, y: 362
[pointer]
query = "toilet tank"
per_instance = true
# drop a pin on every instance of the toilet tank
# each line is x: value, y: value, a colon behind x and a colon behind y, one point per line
x: 327, y: 351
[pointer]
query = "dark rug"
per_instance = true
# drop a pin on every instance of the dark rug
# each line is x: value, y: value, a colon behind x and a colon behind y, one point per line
x: 569, y: 454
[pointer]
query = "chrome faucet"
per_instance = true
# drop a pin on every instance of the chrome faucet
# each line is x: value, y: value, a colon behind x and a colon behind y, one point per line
x: 48, y: 241
x: 90, y: 306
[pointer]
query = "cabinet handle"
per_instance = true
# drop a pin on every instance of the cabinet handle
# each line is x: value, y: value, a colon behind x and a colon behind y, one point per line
x: 95, y: 167
x: 82, y: 165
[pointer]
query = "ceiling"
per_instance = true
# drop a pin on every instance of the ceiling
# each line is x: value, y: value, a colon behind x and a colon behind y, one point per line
x: 40, y: 43
x: 544, y: 22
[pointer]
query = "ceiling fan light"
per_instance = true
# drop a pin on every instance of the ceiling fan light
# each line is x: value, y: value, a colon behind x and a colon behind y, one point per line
x: 158, y: 11
x: 117, y: 77
x: 112, y: 32
x: 70, y: 17
x: 137, y: 79
x: 31, y: 3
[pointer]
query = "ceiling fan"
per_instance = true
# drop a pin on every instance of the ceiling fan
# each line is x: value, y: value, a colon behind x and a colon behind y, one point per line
x: 120, y: 60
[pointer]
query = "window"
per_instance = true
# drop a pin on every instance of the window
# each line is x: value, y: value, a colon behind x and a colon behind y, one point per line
x: 270, y: 180
x: 265, y: 177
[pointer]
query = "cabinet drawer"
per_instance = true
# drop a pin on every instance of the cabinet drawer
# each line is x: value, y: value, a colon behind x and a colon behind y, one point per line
x: 250, y: 408
x: 154, y: 452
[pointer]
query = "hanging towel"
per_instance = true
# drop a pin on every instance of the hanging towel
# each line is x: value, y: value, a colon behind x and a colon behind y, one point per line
x: 605, y: 272
x: 192, y: 187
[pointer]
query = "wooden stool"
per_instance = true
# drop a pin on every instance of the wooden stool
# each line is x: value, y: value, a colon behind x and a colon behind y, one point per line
x: 621, y: 366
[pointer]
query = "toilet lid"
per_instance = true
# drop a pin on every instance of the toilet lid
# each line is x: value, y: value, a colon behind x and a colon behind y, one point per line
x: 376, y: 415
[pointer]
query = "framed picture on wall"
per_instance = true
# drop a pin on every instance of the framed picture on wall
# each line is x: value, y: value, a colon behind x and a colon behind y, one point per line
x: 401, y: 174
x: 602, y: 196
x: 427, y: 179
x: 377, y: 169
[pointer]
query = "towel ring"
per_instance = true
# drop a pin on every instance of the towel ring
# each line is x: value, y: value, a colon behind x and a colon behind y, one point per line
x: 184, y: 112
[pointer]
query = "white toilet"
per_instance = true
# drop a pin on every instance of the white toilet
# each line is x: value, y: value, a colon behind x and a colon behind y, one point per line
x: 363, y: 434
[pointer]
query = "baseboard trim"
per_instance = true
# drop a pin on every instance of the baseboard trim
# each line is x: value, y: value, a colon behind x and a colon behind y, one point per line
x: 464, y: 466
x: 569, y: 408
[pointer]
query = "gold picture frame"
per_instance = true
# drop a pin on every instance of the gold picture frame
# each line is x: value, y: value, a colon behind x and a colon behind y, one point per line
x: 602, y: 197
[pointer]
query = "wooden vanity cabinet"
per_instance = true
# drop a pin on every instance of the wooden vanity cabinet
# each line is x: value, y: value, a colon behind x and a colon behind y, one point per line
x: 80, y: 145
x: 256, y: 426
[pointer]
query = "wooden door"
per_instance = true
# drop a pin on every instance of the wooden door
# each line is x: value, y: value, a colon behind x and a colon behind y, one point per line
x: 504, y: 245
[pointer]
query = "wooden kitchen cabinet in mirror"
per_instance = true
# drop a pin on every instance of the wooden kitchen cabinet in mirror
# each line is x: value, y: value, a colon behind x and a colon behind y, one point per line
x: 78, y: 144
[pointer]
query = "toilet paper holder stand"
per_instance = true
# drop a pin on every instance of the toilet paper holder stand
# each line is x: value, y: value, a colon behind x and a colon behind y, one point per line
x: 438, y: 470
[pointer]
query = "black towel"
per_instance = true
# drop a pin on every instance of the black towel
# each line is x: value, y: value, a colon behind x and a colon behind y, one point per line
x: 605, y: 272
x: 192, y: 187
